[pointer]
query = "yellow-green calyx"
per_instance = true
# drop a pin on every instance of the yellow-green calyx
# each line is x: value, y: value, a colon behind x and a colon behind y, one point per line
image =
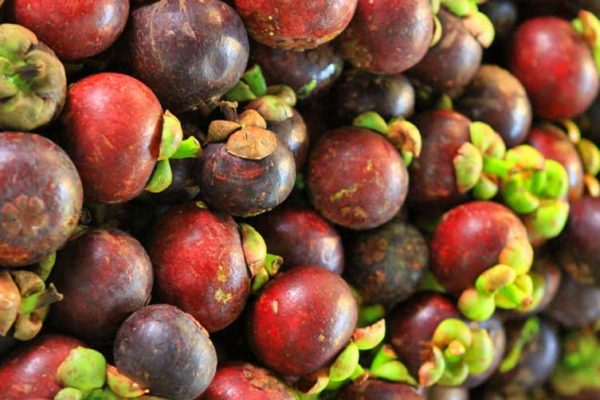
x: 172, y: 147
x: 507, y: 285
x: 25, y: 303
x: 578, y: 369
x: 457, y: 351
x: 33, y: 82
x: 588, y: 25
x: 476, y: 22
x: 589, y: 155
x: 262, y: 265
x: 84, y: 374
x: 346, y: 367
x: 401, y: 133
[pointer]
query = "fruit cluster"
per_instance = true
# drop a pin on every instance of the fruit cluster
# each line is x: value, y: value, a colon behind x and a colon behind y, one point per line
x: 299, y: 199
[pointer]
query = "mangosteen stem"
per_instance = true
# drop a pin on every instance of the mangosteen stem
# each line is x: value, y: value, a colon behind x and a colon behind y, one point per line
x: 530, y: 329
x: 250, y: 87
x: 39, y: 300
x: 189, y: 148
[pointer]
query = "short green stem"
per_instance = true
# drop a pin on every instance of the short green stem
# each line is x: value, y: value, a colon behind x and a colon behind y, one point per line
x: 39, y: 300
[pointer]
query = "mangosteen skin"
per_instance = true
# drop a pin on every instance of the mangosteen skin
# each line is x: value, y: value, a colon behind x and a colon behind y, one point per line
x: 244, y: 187
x: 555, y: 145
x: 388, y: 37
x: 575, y: 305
x: 30, y: 373
x: 189, y: 52
x: 111, y: 128
x: 104, y: 276
x: 301, y: 237
x: 295, y: 25
x: 93, y: 26
x: 496, y: 97
x: 301, y: 320
x: 447, y: 393
x: 411, y: 324
x: 297, y: 69
x: 40, y: 200
x: 433, y: 179
x: 356, y: 178
x: 454, y: 60
x: 359, y: 91
x: 166, y: 351
x: 580, y: 253
x: 386, y: 265
x: 537, y: 361
x: 555, y: 65
x: 245, y: 381
x: 373, y: 389
x: 199, y: 264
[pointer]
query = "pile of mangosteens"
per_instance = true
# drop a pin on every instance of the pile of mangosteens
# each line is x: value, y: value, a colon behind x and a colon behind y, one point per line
x: 299, y: 199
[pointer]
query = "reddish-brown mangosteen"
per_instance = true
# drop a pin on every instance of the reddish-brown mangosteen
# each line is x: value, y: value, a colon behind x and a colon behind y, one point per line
x: 309, y: 73
x: 480, y: 251
x: 436, y: 346
x: 575, y: 305
x: 207, y: 37
x: 40, y: 200
x: 295, y: 25
x: 199, y: 264
x: 31, y: 372
x: 112, y: 130
x: 301, y: 320
x: 301, y: 237
x: 245, y: 381
x: 433, y: 176
x: 388, y: 36
x: 360, y: 91
x: 166, y: 351
x: 88, y: 272
x: 580, y: 253
x: 356, y: 178
x: 373, y: 389
x: 554, y: 144
x: 555, y: 65
x: 387, y: 265
x: 454, y: 60
x: 93, y: 26
x: 510, y: 111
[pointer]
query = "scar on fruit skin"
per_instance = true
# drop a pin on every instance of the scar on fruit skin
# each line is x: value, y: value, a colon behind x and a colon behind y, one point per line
x: 340, y: 194
x: 223, y: 297
x: 221, y: 274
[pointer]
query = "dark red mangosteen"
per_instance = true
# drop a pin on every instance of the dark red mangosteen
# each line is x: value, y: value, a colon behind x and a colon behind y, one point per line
x: 575, y: 305
x: 386, y: 265
x: 34, y: 84
x: 207, y: 37
x: 388, y: 36
x: 301, y: 237
x: 301, y: 320
x: 166, y: 351
x: 309, y: 73
x: 356, y: 178
x: 532, y: 351
x: 454, y: 60
x: 114, y: 129
x: 40, y: 201
x: 580, y: 253
x: 480, y: 251
x: 89, y: 271
x: 497, y: 98
x: 556, y: 66
x: 246, y: 169
x: 295, y: 25
x: 373, y: 389
x: 359, y: 91
x: 436, y: 346
x: 31, y: 372
x: 245, y: 381
x: 199, y: 264
x: 93, y: 26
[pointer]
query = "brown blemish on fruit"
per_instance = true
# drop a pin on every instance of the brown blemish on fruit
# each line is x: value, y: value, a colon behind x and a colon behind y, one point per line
x: 373, y: 250
x: 340, y: 194
x: 24, y: 216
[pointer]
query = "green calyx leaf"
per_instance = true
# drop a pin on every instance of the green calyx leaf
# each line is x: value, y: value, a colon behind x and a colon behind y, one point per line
x: 345, y: 364
x: 405, y: 136
x: 250, y: 87
x: 454, y: 374
x: 272, y: 108
x: 444, y: 102
x: 393, y: 371
x: 460, y: 8
x: 69, y: 394
x: 518, y: 254
x: 372, y: 121
x: 306, y: 90
x: 370, y: 314
x: 486, y: 188
x: 320, y: 382
x: 44, y: 267
x: 517, y: 195
x: 549, y: 220
x: 495, y: 278
x: 588, y: 25
x: 468, y: 165
x: 255, y: 248
x: 517, y: 295
x: 369, y: 337
x: 284, y: 92
x: 481, y: 27
x: 105, y: 394
x: 83, y: 369
x: 487, y: 140
x: 590, y: 156
x: 480, y: 355
x: 530, y: 330
x: 122, y: 385
x: 172, y: 135
x: 556, y: 185
x: 475, y: 305
x: 188, y: 148
x: 161, y: 177
x: 450, y: 330
x: 383, y: 354
x: 438, y: 30
x: 432, y: 370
